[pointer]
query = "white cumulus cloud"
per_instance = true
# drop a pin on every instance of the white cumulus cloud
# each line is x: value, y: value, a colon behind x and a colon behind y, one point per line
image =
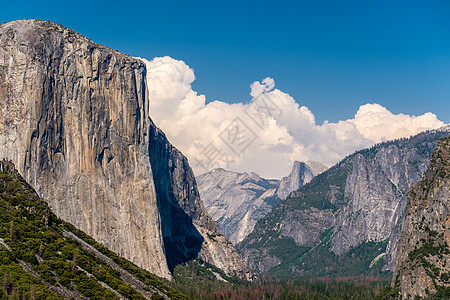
x: 266, y: 135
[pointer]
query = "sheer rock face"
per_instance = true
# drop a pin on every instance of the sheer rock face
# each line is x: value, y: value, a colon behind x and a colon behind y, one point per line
x: 376, y: 191
x: 188, y: 230
x: 423, y: 255
x: 75, y: 121
x: 236, y: 201
x: 362, y: 199
x: 302, y: 173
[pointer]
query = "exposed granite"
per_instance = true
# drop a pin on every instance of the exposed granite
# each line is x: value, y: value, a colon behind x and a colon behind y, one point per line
x: 376, y: 191
x: 423, y: 257
x: 302, y: 173
x: 236, y: 201
x: 362, y: 200
x: 76, y: 123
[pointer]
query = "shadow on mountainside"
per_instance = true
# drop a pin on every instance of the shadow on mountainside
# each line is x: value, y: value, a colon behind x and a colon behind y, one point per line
x: 182, y: 241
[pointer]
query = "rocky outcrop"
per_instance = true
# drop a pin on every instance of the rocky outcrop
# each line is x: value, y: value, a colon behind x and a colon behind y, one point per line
x: 357, y: 205
x: 236, y: 201
x: 423, y: 257
x: 302, y: 173
x: 76, y: 123
x: 188, y: 230
x: 376, y: 195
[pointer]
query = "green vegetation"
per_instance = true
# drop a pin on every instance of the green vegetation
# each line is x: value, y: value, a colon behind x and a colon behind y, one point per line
x: 326, y: 193
x: 320, y: 261
x: 441, y: 157
x: 18, y: 284
x: 318, y: 289
x: 143, y: 275
x: 201, y: 280
x: 41, y: 260
x: 196, y: 276
x: 429, y: 248
x: 317, y: 193
x: 35, y: 238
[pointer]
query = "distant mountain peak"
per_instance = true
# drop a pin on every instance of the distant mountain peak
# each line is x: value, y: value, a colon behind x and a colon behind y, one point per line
x: 301, y: 173
x: 237, y: 200
x: 345, y: 218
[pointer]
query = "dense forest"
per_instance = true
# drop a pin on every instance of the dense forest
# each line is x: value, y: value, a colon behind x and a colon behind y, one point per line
x: 204, y: 286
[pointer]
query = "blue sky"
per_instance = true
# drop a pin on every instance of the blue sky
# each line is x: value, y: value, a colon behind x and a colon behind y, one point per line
x: 331, y: 56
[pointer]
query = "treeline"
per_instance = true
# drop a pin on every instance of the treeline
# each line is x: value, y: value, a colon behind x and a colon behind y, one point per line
x: 340, y: 288
x: 363, y: 287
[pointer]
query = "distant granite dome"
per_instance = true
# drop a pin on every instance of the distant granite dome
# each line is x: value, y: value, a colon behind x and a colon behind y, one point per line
x: 76, y: 123
x: 236, y: 201
x: 302, y: 173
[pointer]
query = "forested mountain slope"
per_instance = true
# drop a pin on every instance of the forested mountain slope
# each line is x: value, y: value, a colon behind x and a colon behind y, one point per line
x: 43, y: 257
x: 236, y: 201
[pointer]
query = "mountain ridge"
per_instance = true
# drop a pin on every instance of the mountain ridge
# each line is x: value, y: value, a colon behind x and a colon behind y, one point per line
x: 61, y: 261
x: 423, y: 253
x: 78, y: 127
x: 237, y: 200
x: 356, y: 206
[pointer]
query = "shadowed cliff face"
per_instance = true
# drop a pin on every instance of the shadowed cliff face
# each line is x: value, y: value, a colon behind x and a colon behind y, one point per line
x: 182, y: 241
x: 76, y: 117
x: 187, y: 228
x: 75, y: 121
x: 301, y: 174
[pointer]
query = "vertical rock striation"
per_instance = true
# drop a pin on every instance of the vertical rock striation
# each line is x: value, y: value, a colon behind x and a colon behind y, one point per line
x: 376, y: 195
x: 353, y: 212
x: 188, y: 230
x: 236, y: 200
x: 76, y: 123
x: 423, y: 257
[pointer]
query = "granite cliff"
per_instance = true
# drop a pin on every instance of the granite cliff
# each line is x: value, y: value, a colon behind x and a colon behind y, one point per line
x: 423, y: 257
x: 236, y: 201
x: 76, y: 123
x: 347, y: 220
x: 44, y: 257
x: 301, y: 174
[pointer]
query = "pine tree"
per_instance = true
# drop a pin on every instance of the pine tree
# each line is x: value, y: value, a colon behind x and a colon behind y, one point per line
x: 74, y: 262
x: 11, y: 230
x: 7, y: 284
x: 41, y: 249
x: 33, y: 293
